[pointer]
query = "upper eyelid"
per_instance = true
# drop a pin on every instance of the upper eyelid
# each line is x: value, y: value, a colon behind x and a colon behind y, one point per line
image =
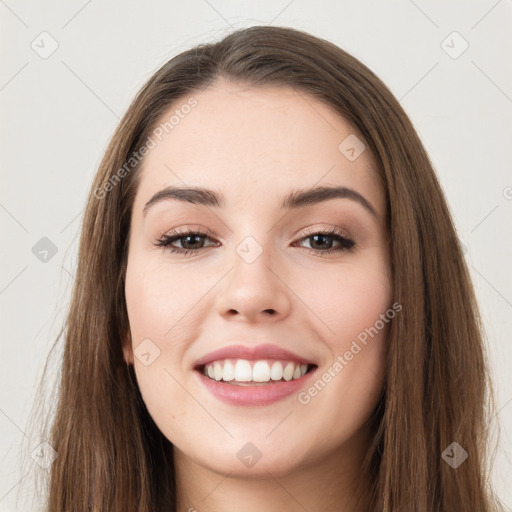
x: 209, y: 233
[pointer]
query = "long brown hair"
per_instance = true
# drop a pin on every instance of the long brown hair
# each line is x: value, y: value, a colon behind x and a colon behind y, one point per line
x: 112, y: 457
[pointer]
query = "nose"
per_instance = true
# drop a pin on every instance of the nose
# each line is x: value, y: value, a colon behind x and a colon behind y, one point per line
x: 254, y: 291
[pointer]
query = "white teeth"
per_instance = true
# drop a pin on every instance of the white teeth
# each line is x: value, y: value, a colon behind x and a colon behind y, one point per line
x: 288, y: 371
x: 241, y: 370
x: 217, y: 371
x: 276, y: 372
x: 261, y: 372
x: 228, y: 372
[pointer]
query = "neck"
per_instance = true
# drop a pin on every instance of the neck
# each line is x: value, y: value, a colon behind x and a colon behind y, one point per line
x: 334, y: 483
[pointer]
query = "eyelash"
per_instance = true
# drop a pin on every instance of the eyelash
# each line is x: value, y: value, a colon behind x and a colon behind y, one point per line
x: 165, y: 241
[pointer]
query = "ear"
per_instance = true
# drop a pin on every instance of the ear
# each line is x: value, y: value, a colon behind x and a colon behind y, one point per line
x: 127, y: 347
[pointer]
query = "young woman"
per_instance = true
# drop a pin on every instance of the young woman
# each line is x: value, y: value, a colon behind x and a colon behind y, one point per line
x: 272, y: 310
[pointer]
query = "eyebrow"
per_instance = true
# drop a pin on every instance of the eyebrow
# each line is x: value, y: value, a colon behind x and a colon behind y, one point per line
x: 296, y: 199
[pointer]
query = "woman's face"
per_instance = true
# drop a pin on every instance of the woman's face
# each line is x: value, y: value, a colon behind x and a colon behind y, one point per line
x: 282, y: 284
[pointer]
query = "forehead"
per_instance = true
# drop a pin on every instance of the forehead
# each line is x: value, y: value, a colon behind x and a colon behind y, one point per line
x: 256, y: 142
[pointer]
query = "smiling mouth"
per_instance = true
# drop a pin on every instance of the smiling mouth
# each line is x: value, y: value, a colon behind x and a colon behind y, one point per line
x: 242, y: 372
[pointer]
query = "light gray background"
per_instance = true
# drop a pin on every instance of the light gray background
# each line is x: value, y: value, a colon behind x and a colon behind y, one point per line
x: 59, y: 112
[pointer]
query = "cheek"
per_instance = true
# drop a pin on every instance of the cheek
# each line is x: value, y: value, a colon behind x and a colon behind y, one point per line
x: 157, y: 304
x: 346, y: 301
x: 355, y: 309
x: 159, y: 300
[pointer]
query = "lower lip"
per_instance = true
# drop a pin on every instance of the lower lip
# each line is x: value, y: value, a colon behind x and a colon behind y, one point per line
x: 253, y: 395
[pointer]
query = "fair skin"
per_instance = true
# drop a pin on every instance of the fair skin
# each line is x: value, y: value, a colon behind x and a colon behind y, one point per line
x: 255, y: 146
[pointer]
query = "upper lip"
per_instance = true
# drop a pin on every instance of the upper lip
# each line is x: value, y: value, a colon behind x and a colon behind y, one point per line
x: 253, y: 353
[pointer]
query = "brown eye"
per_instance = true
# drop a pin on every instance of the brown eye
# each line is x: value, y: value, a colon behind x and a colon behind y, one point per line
x: 324, y: 241
x: 191, y: 242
